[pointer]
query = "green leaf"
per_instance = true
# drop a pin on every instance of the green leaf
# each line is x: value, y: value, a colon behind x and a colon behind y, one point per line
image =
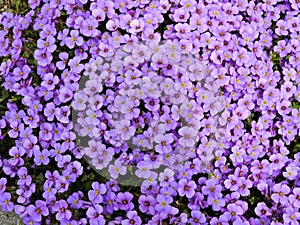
x: 295, y: 105
x: 139, y: 130
x: 4, y: 95
x: 296, y: 149
x: 91, y: 176
x: 274, y: 56
x: 18, y: 3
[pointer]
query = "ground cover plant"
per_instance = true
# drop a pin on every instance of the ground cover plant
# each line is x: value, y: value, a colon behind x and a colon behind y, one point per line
x: 150, y: 112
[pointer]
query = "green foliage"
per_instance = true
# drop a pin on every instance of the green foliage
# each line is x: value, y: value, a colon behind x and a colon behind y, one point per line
x: 295, y: 105
x: 274, y: 57
x: 18, y: 4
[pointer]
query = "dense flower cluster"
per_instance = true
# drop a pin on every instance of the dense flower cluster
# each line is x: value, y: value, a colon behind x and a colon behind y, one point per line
x: 146, y: 109
x: 146, y: 80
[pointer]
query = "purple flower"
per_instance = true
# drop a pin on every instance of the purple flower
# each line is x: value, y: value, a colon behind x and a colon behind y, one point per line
x: 48, y: 190
x: 242, y: 112
x: 65, y: 94
x: 237, y: 155
x: 49, y: 111
x: 294, y: 4
x: 241, y: 57
x: 3, y: 182
x: 125, y: 130
x: 48, y: 44
x: 234, y: 211
x: 164, y: 143
x: 36, y: 211
x: 277, y: 161
x: 282, y: 48
x: 49, y: 81
x: 5, y: 202
x: 116, y: 169
x: 186, y: 188
x: 76, y: 169
x: 21, y: 73
x: 281, y: 28
x: 95, y: 195
x: 221, y: 220
x: 262, y: 210
x: 17, y: 154
x: 46, y: 131
x: 291, y: 216
x: 294, y: 198
x: 147, y: 204
x: 211, y: 188
x: 64, y: 56
x: 133, y: 218
x: 181, y: 15
x: 163, y: 204
x: 52, y: 177
x: 197, y: 218
x: 61, y: 207
x: 232, y: 182
x: 94, y: 215
x: 124, y: 201
x: 144, y: 169
x: 105, y: 50
x: 80, y: 100
x: 41, y: 157
x: 244, y: 186
x: 99, y: 14
x: 136, y: 26
x: 28, y: 220
x: 166, y: 177
x: 32, y: 119
x: 89, y: 27
x: 110, y: 203
x: 75, y: 65
x: 188, y: 136
x: 280, y: 192
x: 62, y: 36
x: 74, y: 39
x: 43, y: 57
x: 217, y: 201
x: 92, y: 118
x: 62, y: 114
